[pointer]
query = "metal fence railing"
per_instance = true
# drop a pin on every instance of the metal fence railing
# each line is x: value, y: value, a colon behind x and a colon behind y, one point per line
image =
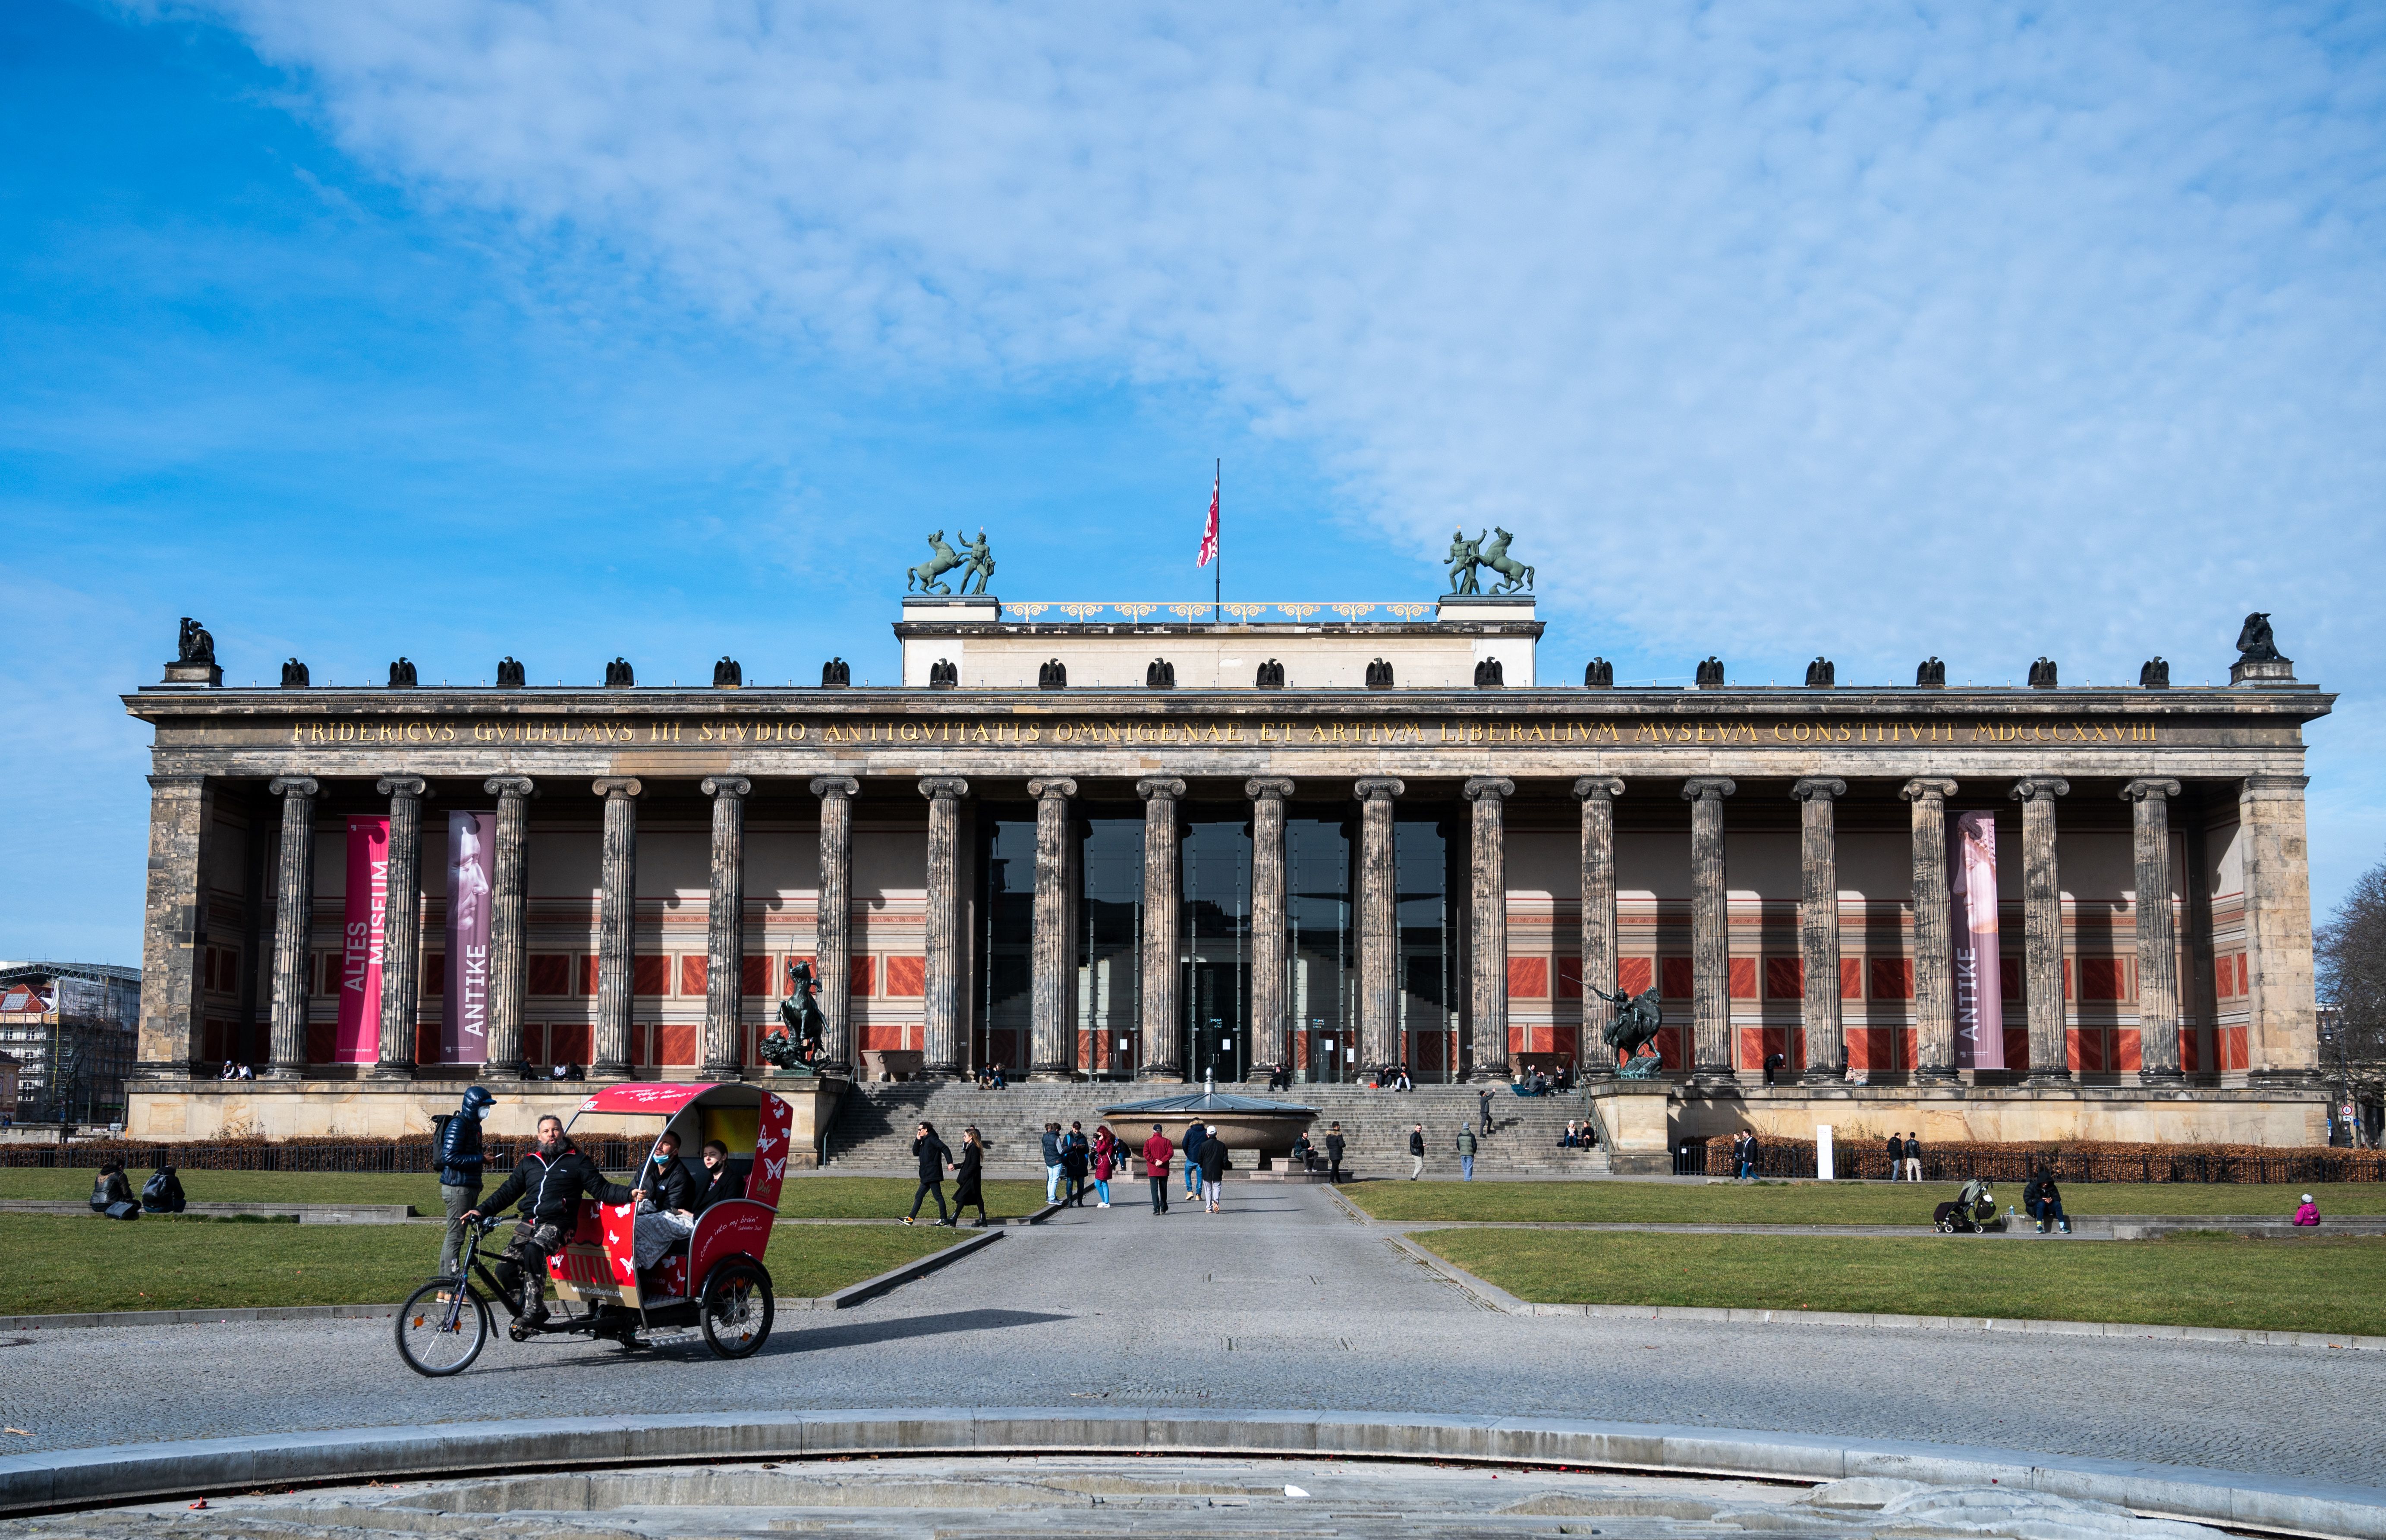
x: 398, y: 1156
x: 2014, y: 1163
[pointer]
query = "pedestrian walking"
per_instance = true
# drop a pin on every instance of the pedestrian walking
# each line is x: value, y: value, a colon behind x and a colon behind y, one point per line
x: 932, y: 1155
x: 1416, y: 1152
x: 1334, y: 1154
x: 1483, y: 1105
x: 1466, y: 1155
x: 1744, y: 1144
x: 1106, y: 1159
x: 1051, y: 1162
x: 1155, y: 1152
x: 1193, y: 1139
x: 1214, y: 1167
x: 1912, y: 1158
x: 969, y: 1190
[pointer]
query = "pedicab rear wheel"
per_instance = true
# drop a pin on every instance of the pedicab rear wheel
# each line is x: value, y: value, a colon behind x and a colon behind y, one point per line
x: 439, y: 1334
x: 736, y: 1309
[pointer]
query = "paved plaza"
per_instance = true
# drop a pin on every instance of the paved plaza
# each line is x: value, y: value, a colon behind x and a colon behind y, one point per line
x: 1283, y: 1301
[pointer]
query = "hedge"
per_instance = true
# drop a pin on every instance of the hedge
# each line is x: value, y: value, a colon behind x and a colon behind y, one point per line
x: 405, y: 1155
x: 2074, y: 1160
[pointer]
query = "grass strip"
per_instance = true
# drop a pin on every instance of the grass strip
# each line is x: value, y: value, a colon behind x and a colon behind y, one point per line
x: 68, y: 1264
x: 817, y: 1197
x: 1820, y: 1203
x: 2303, y: 1285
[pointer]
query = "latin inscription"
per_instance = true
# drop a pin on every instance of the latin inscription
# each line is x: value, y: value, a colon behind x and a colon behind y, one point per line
x: 742, y: 731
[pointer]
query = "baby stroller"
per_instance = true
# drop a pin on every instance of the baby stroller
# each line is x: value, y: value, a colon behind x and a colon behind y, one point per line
x: 1973, y: 1212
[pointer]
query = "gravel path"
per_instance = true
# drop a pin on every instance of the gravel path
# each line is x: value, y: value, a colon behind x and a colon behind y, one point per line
x: 1283, y: 1301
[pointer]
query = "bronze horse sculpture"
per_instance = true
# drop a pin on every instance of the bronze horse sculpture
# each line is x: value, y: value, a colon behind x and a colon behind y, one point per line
x: 1638, y: 1018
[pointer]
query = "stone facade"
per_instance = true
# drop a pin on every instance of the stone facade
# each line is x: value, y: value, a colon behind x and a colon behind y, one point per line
x: 1216, y: 878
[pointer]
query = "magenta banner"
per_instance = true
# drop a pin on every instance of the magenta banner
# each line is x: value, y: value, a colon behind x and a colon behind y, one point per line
x: 464, y: 1030
x: 1979, y: 984
x: 358, y: 1041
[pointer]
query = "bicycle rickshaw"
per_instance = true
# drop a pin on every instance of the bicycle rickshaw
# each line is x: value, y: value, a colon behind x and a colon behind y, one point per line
x: 714, y: 1279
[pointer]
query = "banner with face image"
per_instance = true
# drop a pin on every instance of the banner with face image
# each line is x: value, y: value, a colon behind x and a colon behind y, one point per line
x: 1979, y: 985
x: 464, y: 1026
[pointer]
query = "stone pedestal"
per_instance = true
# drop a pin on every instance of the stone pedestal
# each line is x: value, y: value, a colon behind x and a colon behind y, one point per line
x: 725, y: 938
x: 1271, y: 1021
x: 401, y: 946
x: 1379, y: 935
x: 1161, y: 1058
x: 1487, y: 949
x: 1633, y: 1115
x: 294, y: 915
x: 1052, y: 1036
x: 943, y: 1006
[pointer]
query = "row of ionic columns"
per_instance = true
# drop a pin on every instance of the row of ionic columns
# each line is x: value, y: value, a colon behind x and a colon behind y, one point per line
x: 1052, y: 1036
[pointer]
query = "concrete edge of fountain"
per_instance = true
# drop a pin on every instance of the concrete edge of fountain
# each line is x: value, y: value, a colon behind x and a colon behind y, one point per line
x: 113, y: 1475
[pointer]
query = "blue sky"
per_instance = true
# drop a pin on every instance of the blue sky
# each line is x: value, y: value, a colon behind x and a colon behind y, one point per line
x: 557, y: 330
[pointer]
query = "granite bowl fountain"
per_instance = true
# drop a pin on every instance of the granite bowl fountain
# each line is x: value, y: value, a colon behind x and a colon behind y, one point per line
x: 1254, y: 1123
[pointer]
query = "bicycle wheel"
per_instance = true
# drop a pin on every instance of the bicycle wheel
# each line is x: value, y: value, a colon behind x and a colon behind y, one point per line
x: 736, y: 1309
x: 443, y: 1328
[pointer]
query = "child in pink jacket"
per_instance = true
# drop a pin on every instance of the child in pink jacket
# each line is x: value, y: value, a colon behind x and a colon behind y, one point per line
x: 2309, y: 1212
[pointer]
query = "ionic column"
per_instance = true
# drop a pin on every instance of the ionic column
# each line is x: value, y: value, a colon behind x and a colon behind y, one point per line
x: 2281, y: 1028
x: 724, y: 934
x: 1934, y: 940
x: 1819, y: 922
x: 1271, y: 1021
x: 508, y: 935
x: 2158, y: 937
x: 1710, y: 933
x: 944, y: 981
x: 294, y: 915
x: 1488, y: 937
x: 832, y: 921
x: 616, y: 917
x: 1161, y: 1057
x: 181, y: 818
x: 1051, y: 1035
x: 1599, y: 960
x: 2042, y: 896
x: 1379, y: 934
x: 401, y: 945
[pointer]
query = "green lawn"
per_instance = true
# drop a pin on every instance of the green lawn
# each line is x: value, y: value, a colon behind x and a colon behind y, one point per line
x: 1819, y: 1203
x: 71, y: 1263
x: 2316, y: 1285
x: 822, y: 1197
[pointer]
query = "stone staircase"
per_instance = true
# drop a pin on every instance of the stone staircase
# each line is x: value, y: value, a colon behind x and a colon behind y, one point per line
x: 872, y: 1130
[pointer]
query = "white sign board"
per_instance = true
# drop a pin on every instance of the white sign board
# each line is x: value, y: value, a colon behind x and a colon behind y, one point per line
x: 1823, y: 1151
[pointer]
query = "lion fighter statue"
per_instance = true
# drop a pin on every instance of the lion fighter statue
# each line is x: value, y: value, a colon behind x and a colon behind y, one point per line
x: 1638, y: 1017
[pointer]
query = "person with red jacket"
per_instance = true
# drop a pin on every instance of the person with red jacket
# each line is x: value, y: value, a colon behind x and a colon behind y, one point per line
x: 1157, y: 1151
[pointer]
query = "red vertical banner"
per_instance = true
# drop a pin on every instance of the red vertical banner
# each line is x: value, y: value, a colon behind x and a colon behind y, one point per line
x: 464, y: 1028
x: 1972, y: 929
x: 358, y: 1040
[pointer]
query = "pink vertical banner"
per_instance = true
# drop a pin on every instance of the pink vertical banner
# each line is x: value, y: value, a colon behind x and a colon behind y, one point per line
x: 464, y: 1029
x: 1979, y: 984
x: 358, y: 1041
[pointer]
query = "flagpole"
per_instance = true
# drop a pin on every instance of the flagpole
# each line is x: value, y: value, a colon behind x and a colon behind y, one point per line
x: 1218, y: 578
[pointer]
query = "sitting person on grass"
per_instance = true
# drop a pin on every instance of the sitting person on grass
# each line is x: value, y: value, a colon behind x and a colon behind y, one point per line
x: 2309, y: 1212
x: 2042, y: 1200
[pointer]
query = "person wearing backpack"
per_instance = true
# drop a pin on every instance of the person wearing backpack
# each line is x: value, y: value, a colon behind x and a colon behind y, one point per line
x: 110, y: 1188
x: 163, y: 1192
x: 456, y: 1154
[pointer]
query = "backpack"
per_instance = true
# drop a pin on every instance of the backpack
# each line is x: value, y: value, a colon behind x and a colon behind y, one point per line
x: 163, y: 1194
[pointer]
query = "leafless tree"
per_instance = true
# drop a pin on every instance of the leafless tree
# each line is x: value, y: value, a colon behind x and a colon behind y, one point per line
x: 2350, y: 952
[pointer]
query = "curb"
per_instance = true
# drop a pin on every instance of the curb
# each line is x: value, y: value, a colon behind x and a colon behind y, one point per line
x: 131, y: 1474
x: 844, y: 1298
x: 1499, y: 1299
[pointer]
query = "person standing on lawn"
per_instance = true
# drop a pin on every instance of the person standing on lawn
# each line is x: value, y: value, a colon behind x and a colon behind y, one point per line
x: 1214, y: 1166
x: 1466, y: 1155
x: 969, y: 1190
x: 1912, y: 1158
x: 932, y: 1155
x: 455, y: 1152
x: 1155, y: 1152
x: 1896, y: 1156
x: 1192, y: 1148
x: 1334, y: 1154
x: 1416, y: 1152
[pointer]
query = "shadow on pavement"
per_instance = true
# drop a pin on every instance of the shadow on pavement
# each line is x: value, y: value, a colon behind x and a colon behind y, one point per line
x: 863, y: 1334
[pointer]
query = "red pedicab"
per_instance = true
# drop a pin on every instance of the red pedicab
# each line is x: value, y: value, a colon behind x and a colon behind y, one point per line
x: 713, y: 1278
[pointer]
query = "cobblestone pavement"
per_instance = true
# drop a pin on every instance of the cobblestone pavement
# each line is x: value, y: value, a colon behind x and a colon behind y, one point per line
x: 1280, y: 1302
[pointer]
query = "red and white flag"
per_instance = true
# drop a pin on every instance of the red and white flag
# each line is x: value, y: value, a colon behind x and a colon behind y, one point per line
x: 1209, y: 530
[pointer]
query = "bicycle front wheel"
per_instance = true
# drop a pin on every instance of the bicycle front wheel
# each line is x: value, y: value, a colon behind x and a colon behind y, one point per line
x: 443, y: 1328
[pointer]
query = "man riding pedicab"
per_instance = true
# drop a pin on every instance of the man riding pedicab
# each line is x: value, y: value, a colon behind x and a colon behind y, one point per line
x: 550, y: 1179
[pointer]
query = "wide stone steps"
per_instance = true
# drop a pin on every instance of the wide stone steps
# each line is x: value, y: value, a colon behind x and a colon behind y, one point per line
x: 873, y: 1128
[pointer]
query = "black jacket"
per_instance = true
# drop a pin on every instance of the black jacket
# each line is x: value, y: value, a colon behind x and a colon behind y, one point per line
x: 1334, y: 1147
x: 1417, y: 1142
x: 111, y: 1188
x: 2040, y: 1192
x: 1214, y: 1163
x: 456, y: 1151
x: 932, y: 1156
x: 668, y: 1184
x: 966, y: 1192
x: 550, y: 1188
x: 727, y: 1181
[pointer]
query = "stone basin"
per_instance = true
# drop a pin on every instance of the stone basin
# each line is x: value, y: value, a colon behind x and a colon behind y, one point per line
x: 1244, y: 1122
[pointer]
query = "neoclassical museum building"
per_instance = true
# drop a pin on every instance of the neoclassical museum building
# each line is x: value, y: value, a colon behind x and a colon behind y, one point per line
x: 1156, y: 842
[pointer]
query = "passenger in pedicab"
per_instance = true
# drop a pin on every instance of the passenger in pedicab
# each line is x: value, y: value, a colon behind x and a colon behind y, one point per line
x: 550, y: 1179
x: 668, y: 1204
